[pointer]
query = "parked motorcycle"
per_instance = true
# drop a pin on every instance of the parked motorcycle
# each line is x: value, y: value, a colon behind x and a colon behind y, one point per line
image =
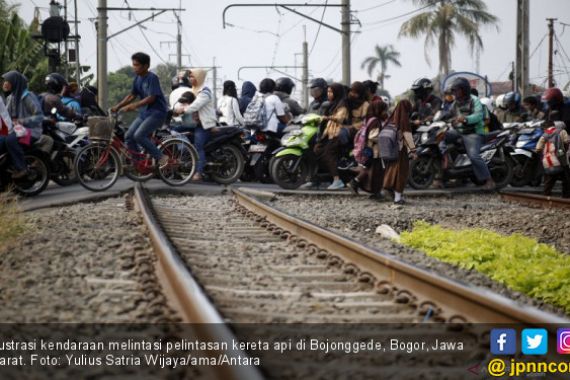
x: 495, y: 152
x: 527, y: 163
x: 295, y: 161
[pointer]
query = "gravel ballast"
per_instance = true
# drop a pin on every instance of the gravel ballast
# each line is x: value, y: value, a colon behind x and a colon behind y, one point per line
x: 87, y: 263
x: 358, y: 218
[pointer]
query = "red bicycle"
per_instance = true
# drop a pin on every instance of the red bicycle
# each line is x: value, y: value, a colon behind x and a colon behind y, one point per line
x: 100, y: 163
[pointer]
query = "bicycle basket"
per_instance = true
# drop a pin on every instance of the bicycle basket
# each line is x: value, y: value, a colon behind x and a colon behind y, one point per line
x: 100, y: 128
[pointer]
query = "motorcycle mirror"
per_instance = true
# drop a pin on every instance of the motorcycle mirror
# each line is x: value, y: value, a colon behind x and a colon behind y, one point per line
x: 53, y: 111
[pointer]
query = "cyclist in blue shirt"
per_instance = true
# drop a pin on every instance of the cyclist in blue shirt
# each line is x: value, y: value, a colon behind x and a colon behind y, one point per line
x: 152, y: 108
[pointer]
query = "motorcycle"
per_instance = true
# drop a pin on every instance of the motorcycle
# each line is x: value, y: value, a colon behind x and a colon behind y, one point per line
x: 495, y: 152
x: 225, y: 154
x: 527, y: 163
x: 295, y: 161
x: 37, y: 177
x: 66, y: 140
x: 260, y: 147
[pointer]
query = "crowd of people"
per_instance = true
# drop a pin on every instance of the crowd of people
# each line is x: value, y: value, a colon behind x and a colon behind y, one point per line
x: 352, y: 116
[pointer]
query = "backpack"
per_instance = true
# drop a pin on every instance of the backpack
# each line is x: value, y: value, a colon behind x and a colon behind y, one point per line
x: 388, y: 143
x: 491, y: 120
x: 255, y: 115
x: 361, y: 151
x: 554, y: 157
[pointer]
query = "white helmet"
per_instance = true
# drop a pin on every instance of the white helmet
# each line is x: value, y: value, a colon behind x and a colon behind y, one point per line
x: 489, y: 103
x: 500, y: 102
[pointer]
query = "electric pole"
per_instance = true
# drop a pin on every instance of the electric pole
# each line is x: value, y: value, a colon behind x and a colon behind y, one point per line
x: 215, y: 79
x: 66, y: 68
x: 345, y: 26
x: 522, y: 68
x: 103, y: 90
x: 77, y: 64
x: 550, y: 50
x: 305, y: 70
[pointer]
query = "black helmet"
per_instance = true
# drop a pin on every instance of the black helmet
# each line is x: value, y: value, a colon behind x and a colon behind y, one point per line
x: 320, y: 83
x: 285, y: 85
x: 422, y: 84
x: 55, y: 83
x: 512, y: 98
x: 461, y: 84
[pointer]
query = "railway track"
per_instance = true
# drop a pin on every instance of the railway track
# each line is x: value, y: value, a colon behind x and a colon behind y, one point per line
x: 239, y: 261
x: 535, y: 200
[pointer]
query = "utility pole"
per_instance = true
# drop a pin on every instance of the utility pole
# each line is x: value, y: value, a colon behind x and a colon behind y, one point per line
x: 522, y: 67
x: 345, y: 26
x: 103, y: 90
x: 215, y: 80
x: 305, y: 70
x: 66, y: 68
x: 550, y: 50
x: 77, y: 64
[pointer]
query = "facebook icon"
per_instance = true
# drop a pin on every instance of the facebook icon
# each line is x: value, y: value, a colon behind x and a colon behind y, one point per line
x: 503, y: 342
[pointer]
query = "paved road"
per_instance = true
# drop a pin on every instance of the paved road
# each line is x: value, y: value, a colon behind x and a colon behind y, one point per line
x: 55, y: 195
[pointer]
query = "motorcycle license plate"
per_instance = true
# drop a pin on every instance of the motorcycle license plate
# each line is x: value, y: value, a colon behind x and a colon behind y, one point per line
x: 259, y: 148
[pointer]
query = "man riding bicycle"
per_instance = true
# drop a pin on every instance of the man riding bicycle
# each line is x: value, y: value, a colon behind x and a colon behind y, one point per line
x: 152, y: 108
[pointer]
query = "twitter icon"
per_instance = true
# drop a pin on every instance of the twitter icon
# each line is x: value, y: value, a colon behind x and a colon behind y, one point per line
x: 534, y: 341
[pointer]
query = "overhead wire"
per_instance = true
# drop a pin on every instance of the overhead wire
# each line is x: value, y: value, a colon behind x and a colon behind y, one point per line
x: 146, y: 38
x: 319, y: 29
x: 376, y: 6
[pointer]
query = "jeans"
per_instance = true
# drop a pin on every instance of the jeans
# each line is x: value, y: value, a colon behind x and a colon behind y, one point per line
x: 201, y: 138
x: 139, y: 132
x: 10, y: 143
x: 472, y: 144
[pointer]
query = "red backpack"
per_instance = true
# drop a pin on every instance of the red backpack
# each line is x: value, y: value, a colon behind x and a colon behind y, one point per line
x: 554, y: 157
x: 360, y: 151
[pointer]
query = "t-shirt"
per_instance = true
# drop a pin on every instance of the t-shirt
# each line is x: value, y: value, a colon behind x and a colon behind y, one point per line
x: 273, y: 108
x: 146, y: 86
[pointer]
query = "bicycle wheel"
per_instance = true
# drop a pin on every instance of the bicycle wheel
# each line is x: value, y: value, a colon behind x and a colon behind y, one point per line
x: 182, y: 160
x: 97, y: 167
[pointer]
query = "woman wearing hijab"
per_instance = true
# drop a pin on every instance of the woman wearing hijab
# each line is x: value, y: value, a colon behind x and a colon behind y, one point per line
x: 327, y: 149
x: 371, y: 174
x: 228, y: 106
x: 25, y: 111
x: 357, y: 106
x: 396, y: 173
x: 204, y: 106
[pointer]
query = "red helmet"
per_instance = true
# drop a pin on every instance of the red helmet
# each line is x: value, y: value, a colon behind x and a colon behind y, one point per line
x: 553, y: 96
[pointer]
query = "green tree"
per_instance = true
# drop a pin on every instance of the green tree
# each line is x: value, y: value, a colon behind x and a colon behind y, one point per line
x: 443, y: 20
x: 384, y: 55
x: 18, y: 51
x: 165, y: 73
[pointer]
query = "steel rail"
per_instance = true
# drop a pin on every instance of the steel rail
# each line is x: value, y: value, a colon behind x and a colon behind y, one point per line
x: 458, y: 301
x: 187, y: 295
x: 535, y: 200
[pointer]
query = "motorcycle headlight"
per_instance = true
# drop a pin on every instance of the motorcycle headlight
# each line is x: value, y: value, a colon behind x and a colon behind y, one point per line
x: 424, y: 138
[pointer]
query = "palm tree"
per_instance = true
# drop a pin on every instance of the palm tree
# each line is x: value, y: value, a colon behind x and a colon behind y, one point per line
x: 384, y: 55
x: 442, y: 20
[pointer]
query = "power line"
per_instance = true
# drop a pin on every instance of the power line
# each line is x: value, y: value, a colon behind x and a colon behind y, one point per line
x: 376, y: 6
x: 319, y: 29
x: 409, y: 13
x: 537, y: 46
x: 146, y: 39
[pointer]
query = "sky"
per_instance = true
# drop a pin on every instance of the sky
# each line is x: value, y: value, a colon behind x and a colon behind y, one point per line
x: 265, y: 36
